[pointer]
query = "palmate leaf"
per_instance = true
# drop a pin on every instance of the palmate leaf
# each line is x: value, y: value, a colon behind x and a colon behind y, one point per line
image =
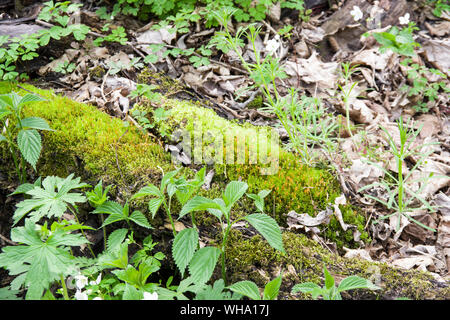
x: 50, y: 200
x: 39, y: 262
x: 30, y: 145
x: 203, y: 264
x: 268, y: 228
x: 184, y: 246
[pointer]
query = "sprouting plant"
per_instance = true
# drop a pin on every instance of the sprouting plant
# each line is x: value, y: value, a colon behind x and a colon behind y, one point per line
x: 118, y: 213
x: 401, y: 196
x: 52, y: 199
x: 178, y: 187
x: 42, y: 257
x: 65, y: 67
x: 398, y: 40
x: 117, y: 35
x: 302, y: 119
x: 24, y: 137
x: 346, y: 91
x: 421, y: 87
x: 185, y: 245
x: 329, y: 290
x: 251, y: 290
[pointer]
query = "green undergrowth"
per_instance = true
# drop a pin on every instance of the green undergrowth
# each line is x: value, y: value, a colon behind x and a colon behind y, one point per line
x: 253, y: 259
x: 90, y: 143
x: 95, y: 146
x: 294, y: 186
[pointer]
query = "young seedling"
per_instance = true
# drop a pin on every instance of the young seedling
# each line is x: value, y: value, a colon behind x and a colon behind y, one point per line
x: 329, y: 291
x: 25, y: 137
x: 401, y: 196
x: 250, y: 289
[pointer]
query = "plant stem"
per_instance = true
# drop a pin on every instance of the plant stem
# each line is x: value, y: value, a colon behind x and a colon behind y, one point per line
x: 78, y: 221
x: 169, y: 215
x: 63, y: 284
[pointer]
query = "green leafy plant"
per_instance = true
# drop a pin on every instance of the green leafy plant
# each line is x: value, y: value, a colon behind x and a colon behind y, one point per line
x: 329, y: 290
x: 118, y: 213
x: 439, y: 6
x: 42, y: 257
x: 25, y: 137
x: 346, y: 89
x: 185, y: 245
x: 421, y: 87
x: 250, y: 289
x: 303, y: 119
x: 398, y: 40
x: 401, y: 196
x: 65, y: 67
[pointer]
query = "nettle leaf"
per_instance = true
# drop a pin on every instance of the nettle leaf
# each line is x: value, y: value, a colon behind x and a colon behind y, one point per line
x: 308, y: 287
x: 233, y: 192
x: 50, y: 200
x: 150, y: 190
x: 268, y: 228
x: 116, y: 238
x: 184, y: 246
x: 199, y: 203
x: 30, y: 145
x: 246, y: 288
x: 272, y: 288
x: 39, y: 262
x: 154, y: 204
x: 329, y: 280
x: 34, y: 123
x: 203, y: 264
x: 355, y: 282
x: 140, y: 219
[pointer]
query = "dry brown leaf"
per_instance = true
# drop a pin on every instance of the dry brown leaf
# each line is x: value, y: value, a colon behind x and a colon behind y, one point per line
x: 437, y: 52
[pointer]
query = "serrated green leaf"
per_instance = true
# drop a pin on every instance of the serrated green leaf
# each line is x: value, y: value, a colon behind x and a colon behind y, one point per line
x: 139, y: 218
x: 116, y: 238
x: 109, y: 207
x: 355, y: 282
x: 203, y: 264
x: 154, y: 204
x: 246, y: 288
x: 329, y: 280
x: 150, y: 190
x: 272, y: 288
x: 30, y: 145
x: 233, y: 192
x: 184, y: 246
x: 34, y: 123
x: 198, y: 203
x: 268, y: 228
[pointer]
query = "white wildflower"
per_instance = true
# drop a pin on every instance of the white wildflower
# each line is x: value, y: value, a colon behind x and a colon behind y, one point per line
x: 150, y: 296
x: 96, y: 281
x: 97, y: 298
x: 81, y: 281
x: 404, y: 19
x: 81, y: 295
x: 356, y: 13
x: 273, y: 45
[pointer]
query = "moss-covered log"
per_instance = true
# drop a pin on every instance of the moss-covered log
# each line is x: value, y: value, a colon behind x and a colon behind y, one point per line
x: 93, y: 145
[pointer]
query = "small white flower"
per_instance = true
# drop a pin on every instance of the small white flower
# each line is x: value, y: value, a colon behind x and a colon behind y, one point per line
x: 97, y: 298
x: 273, y: 45
x: 81, y: 295
x: 81, y: 281
x: 96, y: 281
x: 404, y: 19
x: 356, y: 13
x: 150, y: 296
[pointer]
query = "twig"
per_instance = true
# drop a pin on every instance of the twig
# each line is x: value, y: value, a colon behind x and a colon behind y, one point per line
x: 8, y: 241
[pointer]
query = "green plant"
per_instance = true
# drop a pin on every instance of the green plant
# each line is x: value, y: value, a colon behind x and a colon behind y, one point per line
x: 401, y: 196
x: 28, y: 140
x: 65, y: 67
x: 439, y: 6
x: 42, y: 257
x: 117, y: 34
x: 421, y: 87
x: 118, y: 213
x: 250, y: 289
x: 346, y: 91
x: 398, y: 40
x: 302, y: 119
x: 186, y: 243
x: 329, y: 291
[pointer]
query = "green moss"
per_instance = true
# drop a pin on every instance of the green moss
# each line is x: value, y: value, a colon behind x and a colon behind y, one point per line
x: 250, y: 258
x: 91, y: 143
